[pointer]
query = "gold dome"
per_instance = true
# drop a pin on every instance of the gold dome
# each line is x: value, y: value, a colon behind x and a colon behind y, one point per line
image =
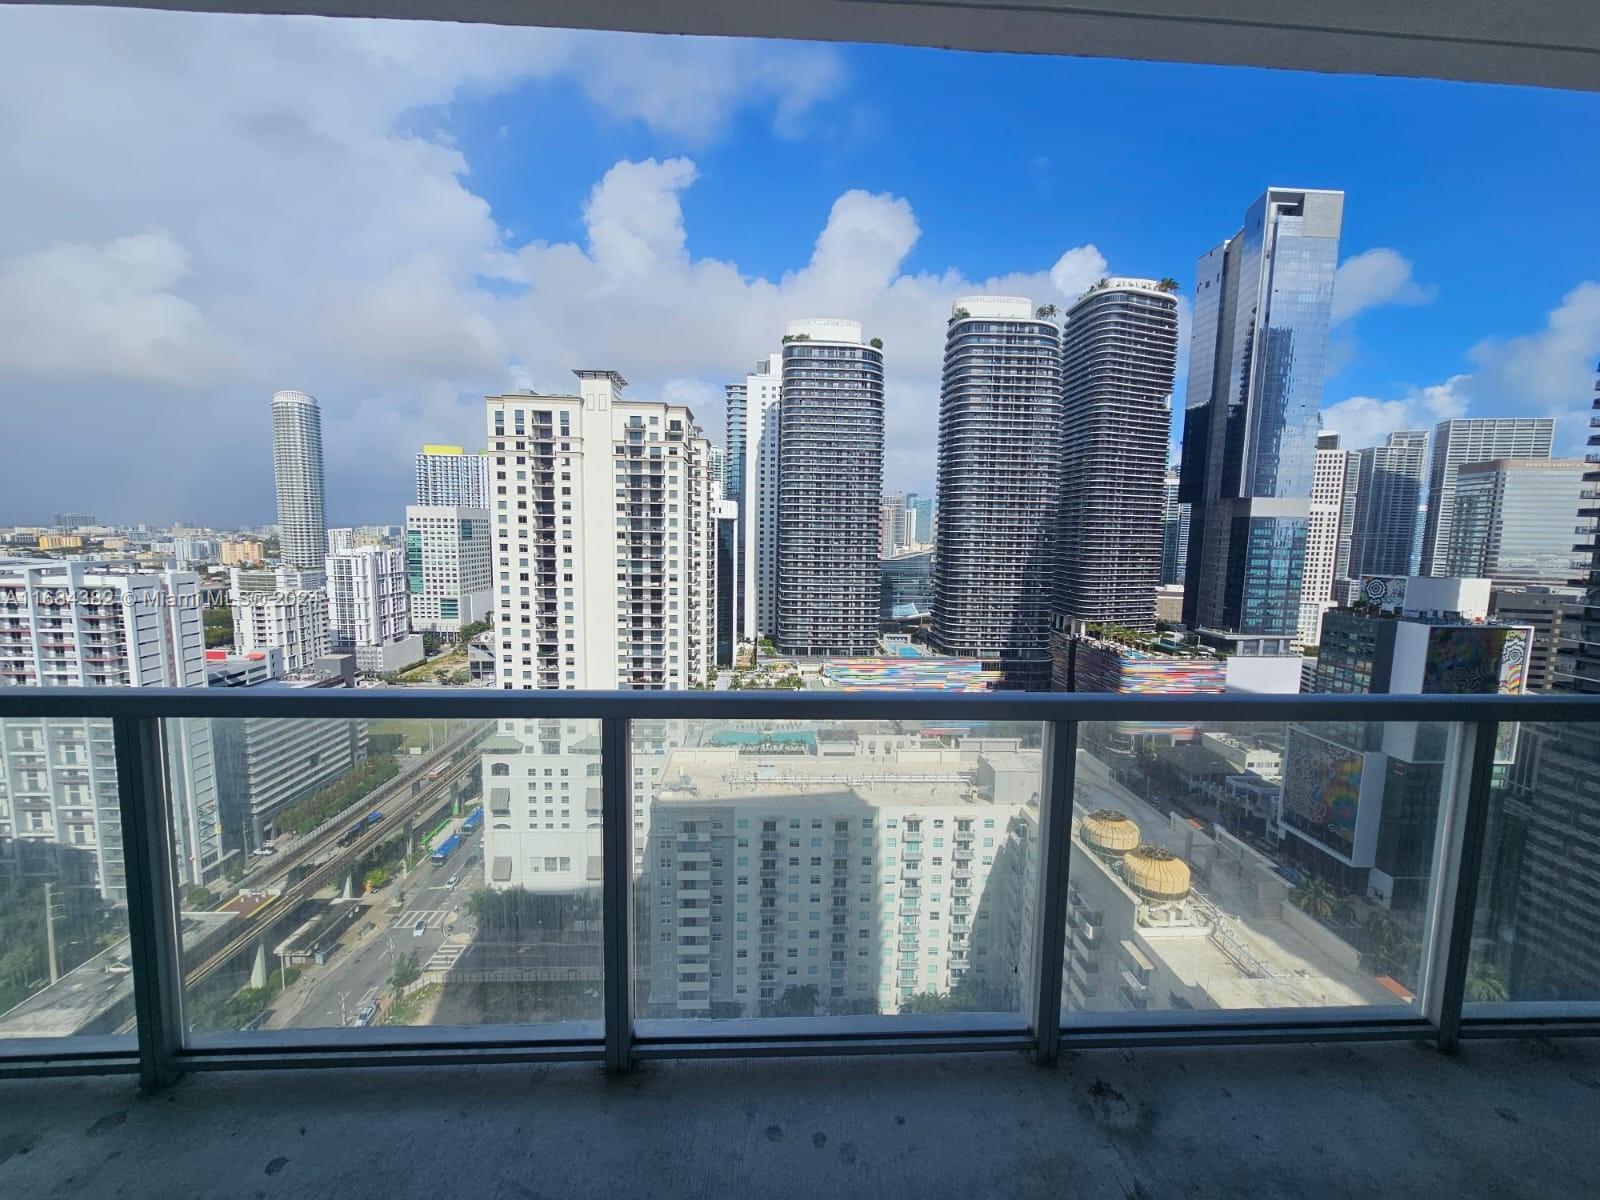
x: 1111, y: 831
x: 1156, y: 873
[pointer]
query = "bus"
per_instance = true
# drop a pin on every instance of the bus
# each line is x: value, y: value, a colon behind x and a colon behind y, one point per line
x: 474, y: 819
x: 446, y: 848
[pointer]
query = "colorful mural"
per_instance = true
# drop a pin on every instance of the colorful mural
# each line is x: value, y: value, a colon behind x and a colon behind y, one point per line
x: 927, y: 674
x: 1479, y: 660
x: 1322, y: 790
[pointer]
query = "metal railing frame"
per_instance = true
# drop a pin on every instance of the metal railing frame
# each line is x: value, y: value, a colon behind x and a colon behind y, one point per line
x: 162, y: 1052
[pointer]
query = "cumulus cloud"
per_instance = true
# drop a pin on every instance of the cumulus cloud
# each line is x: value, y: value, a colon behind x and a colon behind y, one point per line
x: 1548, y: 372
x: 1374, y: 277
x: 199, y: 209
x: 110, y: 310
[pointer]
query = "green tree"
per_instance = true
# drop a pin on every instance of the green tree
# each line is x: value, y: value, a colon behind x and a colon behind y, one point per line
x: 1168, y: 284
x: 796, y: 1002
x: 876, y: 343
x: 1316, y: 899
x: 406, y: 972
x: 198, y: 898
x: 1486, y: 984
x: 218, y: 625
x: 1045, y: 312
x: 376, y: 878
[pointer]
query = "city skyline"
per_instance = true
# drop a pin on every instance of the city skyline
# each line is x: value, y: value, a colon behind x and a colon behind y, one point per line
x: 431, y: 317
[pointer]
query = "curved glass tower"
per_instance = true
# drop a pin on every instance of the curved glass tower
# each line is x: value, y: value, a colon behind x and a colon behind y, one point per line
x: 297, y: 470
x: 1263, y: 301
x: 830, y: 479
x: 999, y: 429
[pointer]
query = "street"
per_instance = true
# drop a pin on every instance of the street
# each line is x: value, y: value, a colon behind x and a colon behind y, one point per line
x: 358, y: 972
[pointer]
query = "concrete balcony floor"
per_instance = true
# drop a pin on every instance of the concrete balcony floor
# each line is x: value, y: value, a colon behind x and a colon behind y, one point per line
x: 1393, y: 1119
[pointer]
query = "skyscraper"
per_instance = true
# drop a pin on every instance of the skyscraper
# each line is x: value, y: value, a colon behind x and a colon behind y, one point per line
x: 1516, y: 520
x: 1472, y: 440
x: 297, y: 471
x: 1174, y: 530
x: 604, y: 562
x: 1119, y: 350
x: 919, y: 519
x: 448, y: 475
x: 998, y: 481
x: 736, y: 405
x: 758, y: 500
x: 1263, y: 301
x: 1322, y: 536
x: 1387, y: 494
x: 830, y: 477
x: 891, y: 523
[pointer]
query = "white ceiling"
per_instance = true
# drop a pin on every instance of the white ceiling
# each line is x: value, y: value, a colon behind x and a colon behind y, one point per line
x: 1549, y: 43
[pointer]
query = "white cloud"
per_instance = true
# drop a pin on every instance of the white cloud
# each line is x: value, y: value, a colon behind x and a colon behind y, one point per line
x: 634, y: 296
x: 108, y: 311
x: 1549, y: 372
x: 1366, y: 421
x: 1374, y: 277
x: 199, y: 209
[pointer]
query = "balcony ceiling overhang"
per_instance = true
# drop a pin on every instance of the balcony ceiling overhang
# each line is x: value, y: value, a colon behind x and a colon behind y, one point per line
x: 1547, y: 43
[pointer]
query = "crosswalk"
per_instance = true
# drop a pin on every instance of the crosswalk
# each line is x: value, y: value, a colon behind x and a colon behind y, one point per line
x: 432, y: 918
x: 445, y: 957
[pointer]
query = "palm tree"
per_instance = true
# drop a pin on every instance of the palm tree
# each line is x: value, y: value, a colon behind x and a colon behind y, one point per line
x: 1316, y: 899
x: 1045, y: 312
x: 1167, y: 284
x: 1486, y: 985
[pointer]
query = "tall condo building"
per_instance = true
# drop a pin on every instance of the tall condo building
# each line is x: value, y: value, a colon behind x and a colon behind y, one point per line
x: 998, y: 481
x: 758, y: 499
x: 280, y: 608
x: 1118, y: 353
x: 604, y: 540
x: 297, y: 471
x: 448, y: 565
x: 736, y: 404
x: 369, y: 608
x: 830, y: 478
x: 83, y: 624
x: 1545, y: 906
x: 1472, y: 440
x: 1322, y: 536
x: 450, y: 477
x: 1174, y: 530
x: 1516, y: 521
x: 1388, y: 491
x: 891, y: 523
x: 1262, y: 305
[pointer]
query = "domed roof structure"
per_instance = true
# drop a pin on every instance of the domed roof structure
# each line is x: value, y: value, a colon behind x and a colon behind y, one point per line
x: 1156, y: 873
x: 1110, y: 831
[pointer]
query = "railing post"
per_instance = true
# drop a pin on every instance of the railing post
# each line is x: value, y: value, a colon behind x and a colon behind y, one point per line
x: 153, y: 950
x: 616, y: 817
x: 1050, y: 900
x: 1459, y: 862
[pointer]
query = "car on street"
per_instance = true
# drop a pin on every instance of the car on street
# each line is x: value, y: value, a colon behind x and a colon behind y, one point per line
x: 419, y: 928
x: 453, y: 881
x: 365, y: 1016
x: 118, y: 966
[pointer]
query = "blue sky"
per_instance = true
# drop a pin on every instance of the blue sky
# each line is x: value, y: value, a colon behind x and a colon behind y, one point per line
x: 402, y: 218
x: 1008, y: 158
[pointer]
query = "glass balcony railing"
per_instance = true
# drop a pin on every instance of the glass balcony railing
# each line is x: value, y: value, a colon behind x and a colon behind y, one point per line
x: 386, y: 876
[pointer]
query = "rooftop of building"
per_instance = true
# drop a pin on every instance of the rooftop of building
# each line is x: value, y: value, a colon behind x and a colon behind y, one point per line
x: 1258, y: 959
x: 934, y: 778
